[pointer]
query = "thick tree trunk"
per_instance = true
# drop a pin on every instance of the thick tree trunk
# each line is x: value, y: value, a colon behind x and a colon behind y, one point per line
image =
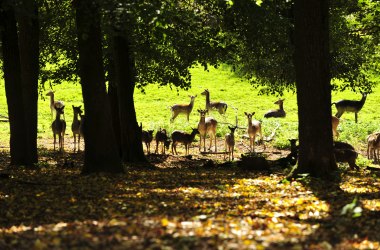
x: 131, y: 146
x: 13, y: 85
x: 313, y: 88
x: 29, y: 57
x: 100, y: 145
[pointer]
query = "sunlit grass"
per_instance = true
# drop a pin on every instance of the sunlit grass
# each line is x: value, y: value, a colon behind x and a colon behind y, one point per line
x: 153, y: 111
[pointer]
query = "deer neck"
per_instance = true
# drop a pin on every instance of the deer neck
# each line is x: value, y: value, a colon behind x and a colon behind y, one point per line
x: 191, y: 104
x: 202, y: 120
x: 76, y: 117
x: 362, y: 101
x: 281, y: 106
x: 207, y: 99
x: 52, y: 99
x: 58, y: 116
x: 249, y: 123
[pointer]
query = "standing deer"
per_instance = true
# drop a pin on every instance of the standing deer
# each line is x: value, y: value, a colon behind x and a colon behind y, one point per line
x: 182, y: 108
x: 184, y: 138
x: 59, y: 127
x: 54, y: 104
x: 350, y: 106
x: 75, y: 126
x: 335, y: 122
x: 230, y: 142
x: 254, y: 127
x: 206, y: 126
x: 162, y: 137
x: 280, y: 112
x: 373, y: 146
x: 147, y: 137
x: 221, y: 107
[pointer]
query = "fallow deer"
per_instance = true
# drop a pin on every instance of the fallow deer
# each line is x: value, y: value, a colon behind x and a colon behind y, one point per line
x: 350, y: 106
x: 206, y: 126
x: 254, y: 127
x: 59, y: 127
x: 75, y: 126
x: 280, y: 112
x: 335, y: 122
x: 373, y: 146
x: 184, y: 138
x: 230, y: 142
x: 221, y: 107
x: 182, y: 108
x: 162, y: 137
x: 53, y: 103
x: 147, y: 137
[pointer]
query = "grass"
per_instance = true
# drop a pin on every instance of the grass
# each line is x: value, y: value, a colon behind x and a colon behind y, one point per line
x: 153, y: 111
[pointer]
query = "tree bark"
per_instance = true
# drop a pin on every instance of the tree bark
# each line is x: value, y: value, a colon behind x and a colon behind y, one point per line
x: 131, y: 146
x: 313, y: 88
x: 29, y: 57
x: 100, y: 145
x: 13, y: 85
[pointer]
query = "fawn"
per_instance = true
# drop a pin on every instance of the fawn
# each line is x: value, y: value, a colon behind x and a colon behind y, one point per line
x: 254, y: 127
x: 230, y: 142
x: 75, y: 126
x: 373, y: 146
x: 184, y: 138
x: 59, y: 127
x: 147, y: 137
x: 162, y: 137
x: 206, y: 126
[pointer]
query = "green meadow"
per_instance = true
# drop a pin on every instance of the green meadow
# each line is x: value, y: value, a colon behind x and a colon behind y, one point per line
x: 153, y: 109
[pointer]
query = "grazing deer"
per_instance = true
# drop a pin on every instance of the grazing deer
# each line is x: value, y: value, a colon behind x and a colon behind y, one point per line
x: 182, y: 108
x: 221, y: 107
x: 335, y: 122
x: 230, y: 142
x: 161, y: 136
x: 54, y: 104
x: 75, y: 126
x: 184, y: 138
x: 147, y: 137
x: 206, y: 126
x: 345, y: 152
x: 254, y: 127
x: 59, y: 127
x: 278, y: 112
x: 373, y: 146
x: 350, y: 106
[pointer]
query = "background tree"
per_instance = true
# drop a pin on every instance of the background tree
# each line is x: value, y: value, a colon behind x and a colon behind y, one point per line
x: 100, y: 145
x: 313, y: 88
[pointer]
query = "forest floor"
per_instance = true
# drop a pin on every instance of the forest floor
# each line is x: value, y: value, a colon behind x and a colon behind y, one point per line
x: 185, y: 202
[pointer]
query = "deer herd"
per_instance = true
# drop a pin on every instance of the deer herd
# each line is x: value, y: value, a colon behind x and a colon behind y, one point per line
x: 207, y: 127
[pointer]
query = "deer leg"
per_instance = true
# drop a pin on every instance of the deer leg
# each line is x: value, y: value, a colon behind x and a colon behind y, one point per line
x: 75, y: 140
x: 174, y: 115
x: 215, y: 143
x: 78, y: 142
x: 54, y: 141
x: 356, y: 117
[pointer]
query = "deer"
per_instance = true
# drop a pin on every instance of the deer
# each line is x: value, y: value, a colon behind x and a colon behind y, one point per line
x: 345, y: 152
x: 350, y: 106
x: 280, y: 112
x: 147, y: 137
x: 230, y: 142
x: 206, y: 126
x: 335, y: 122
x: 184, y: 138
x: 162, y: 137
x: 59, y: 127
x: 54, y: 104
x: 75, y: 126
x: 373, y: 146
x: 221, y: 107
x: 182, y: 108
x: 254, y: 127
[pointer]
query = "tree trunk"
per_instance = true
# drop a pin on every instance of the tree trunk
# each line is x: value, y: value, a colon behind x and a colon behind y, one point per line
x: 100, y: 145
x: 131, y: 146
x: 313, y: 88
x: 13, y: 85
x: 113, y: 98
x: 29, y: 57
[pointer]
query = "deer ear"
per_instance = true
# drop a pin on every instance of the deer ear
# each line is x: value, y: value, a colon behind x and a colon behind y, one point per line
x: 253, y: 113
x: 195, y: 95
x: 73, y: 106
x: 245, y: 113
